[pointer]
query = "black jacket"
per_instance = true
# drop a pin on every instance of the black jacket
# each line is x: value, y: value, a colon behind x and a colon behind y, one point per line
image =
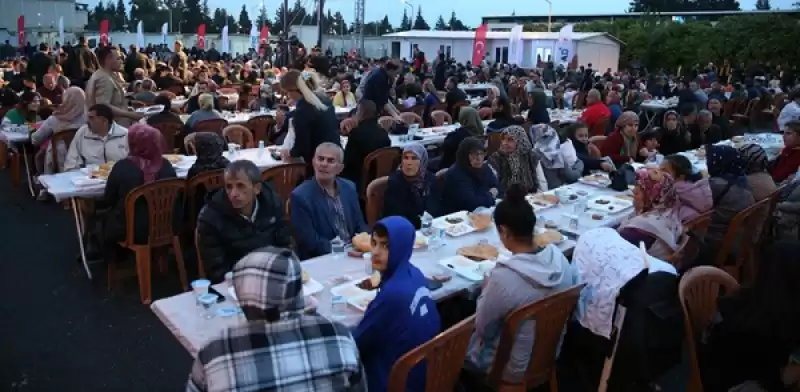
x: 313, y: 127
x: 400, y: 199
x: 365, y: 138
x: 38, y: 66
x: 224, y: 236
x: 81, y: 64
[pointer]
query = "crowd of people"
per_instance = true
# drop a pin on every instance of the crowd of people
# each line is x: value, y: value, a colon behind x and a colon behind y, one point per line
x: 243, y: 227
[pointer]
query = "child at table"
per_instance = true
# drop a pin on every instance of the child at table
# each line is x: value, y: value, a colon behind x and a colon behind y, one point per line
x: 650, y: 144
x: 403, y: 315
x: 586, y: 152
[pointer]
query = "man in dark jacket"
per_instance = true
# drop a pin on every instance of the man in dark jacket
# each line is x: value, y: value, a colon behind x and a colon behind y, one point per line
x: 81, y: 64
x: 245, y: 216
x: 365, y: 138
x: 40, y: 64
x: 135, y: 59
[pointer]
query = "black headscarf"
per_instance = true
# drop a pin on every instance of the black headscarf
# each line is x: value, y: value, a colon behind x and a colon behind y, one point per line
x: 209, y: 147
x: 466, y: 147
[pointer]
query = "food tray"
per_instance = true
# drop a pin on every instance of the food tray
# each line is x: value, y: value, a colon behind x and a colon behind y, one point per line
x: 459, y: 230
x: 442, y: 220
x: 609, y: 204
x: 362, y: 302
x: 539, y: 204
x: 469, y: 269
x: 150, y: 110
x: 540, y: 230
x: 309, y: 288
x: 87, y: 181
x: 350, y: 289
x: 596, y: 180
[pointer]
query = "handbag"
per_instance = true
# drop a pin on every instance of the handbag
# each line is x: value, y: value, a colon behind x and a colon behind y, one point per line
x: 622, y: 177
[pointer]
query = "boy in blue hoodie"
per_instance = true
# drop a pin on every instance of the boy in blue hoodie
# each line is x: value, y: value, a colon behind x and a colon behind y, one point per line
x: 403, y: 315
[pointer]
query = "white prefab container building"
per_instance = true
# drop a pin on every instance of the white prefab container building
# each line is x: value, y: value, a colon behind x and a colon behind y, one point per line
x: 599, y: 49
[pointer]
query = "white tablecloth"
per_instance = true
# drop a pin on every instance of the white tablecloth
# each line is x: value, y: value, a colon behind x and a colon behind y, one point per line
x: 659, y: 105
x: 772, y: 143
x: 13, y: 137
x: 242, y: 117
x: 61, y: 186
x: 178, y: 103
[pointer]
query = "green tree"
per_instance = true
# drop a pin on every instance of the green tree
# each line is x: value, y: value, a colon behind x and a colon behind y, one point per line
x: 338, y: 25
x: 192, y: 17
x: 419, y: 21
x: 96, y: 15
x: 206, y: 16
x: 280, y: 14
x: 385, y: 27
x: 456, y: 24
x: 329, y: 29
x: 763, y: 5
x: 441, y: 25
x: 150, y: 12
x: 405, y: 24
x: 244, y: 21
x: 298, y: 14
x: 120, y: 15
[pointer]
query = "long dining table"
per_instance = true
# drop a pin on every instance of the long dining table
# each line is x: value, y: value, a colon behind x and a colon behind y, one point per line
x: 183, y: 317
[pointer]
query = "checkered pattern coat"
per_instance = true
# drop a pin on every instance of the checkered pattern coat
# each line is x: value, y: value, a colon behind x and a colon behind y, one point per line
x: 296, y: 353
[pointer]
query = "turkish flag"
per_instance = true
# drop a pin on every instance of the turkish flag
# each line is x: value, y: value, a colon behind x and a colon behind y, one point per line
x: 479, y: 47
x: 21, y: 31
x: 263, y: 39
x: 104, y: 32
x: 201, y: 36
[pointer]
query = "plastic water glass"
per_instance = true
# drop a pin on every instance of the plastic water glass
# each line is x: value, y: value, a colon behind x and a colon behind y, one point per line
x: 338, y: 306
x: 207, y: 301
x: 337, y: 247
x: 367, y: 263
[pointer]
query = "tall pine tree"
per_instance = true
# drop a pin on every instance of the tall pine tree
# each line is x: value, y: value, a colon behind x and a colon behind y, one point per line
x: 440, y: 24
x: 419, y: 21
x: 385, y: 27
x: 244, y: 21
x: 405, y: 24
x: 763, y: 5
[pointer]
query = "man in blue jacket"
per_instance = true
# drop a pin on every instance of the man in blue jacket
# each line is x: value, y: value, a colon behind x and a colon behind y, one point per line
x: 403, y: 315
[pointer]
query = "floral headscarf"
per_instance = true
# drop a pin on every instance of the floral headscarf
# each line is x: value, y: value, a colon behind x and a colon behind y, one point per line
x: 547, y: 146
x: 630, y: 143
x: 519, y: 160
x: 755, y: 158
x: 146, y: 146
x: 725, y: 162
x: 418, y: 181
x: 658, y: 189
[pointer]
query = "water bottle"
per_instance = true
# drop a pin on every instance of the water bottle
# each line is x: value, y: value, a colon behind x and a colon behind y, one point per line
x: 337, y: 247
x: 338, y: 306
x: 260, y: 148
x: 263, y: 109
x: 368, y: 263
x: 425, y: 223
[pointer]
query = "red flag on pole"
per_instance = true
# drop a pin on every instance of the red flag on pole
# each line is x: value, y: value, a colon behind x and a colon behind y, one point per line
x: 263, y: 40
x: 479, y: 47
x: 21, y: 31
x: 104, y: 32
x: 201, y: 36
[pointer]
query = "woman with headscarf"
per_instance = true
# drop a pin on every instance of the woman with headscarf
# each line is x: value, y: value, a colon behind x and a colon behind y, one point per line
x: 209, y: 148
x: 69, y: 115
x: 409, y: 191
x: 622, y: 145
x: 657, y: 222
x: 674, y: 137
x: 537, y: 113
x: 587, y: 152
x: 730, y: 190
x: 516, y: 163
x: 469, y: 183
x: 755, y: 164
x: 471, y: 125
x: 144, y: 164
x: 557, y: 157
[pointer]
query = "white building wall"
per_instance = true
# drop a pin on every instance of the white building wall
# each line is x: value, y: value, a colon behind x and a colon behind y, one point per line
x: 42, y: 15
x: 601, y: 52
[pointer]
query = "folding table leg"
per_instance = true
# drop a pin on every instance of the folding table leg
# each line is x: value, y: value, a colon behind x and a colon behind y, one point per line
x: 76, y: 210
x: 28, y: 170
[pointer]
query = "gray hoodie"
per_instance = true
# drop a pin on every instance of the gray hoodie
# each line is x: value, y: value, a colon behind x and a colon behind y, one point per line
x: 522, y: 279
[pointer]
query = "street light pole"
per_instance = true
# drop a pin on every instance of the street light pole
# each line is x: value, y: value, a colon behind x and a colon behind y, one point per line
x: 549, y: 16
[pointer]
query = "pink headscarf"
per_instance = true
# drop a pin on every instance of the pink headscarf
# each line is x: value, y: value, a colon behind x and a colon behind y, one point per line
x: 146, y: 146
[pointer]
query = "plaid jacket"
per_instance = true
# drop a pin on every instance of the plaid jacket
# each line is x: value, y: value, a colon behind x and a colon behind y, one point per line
x: 297, y: 353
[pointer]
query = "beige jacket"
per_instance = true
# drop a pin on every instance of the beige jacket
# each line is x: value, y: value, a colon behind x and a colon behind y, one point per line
x: 88, y: 148
x: 107, y: 88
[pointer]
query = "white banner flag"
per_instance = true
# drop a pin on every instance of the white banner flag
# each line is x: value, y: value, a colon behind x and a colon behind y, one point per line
x: 164, y: 29
x: 565, y: 50
x: 225, y: 43
x: 254, y: 37
x: 515, y: 45
x: 61, y: 31
x: 140, y: 35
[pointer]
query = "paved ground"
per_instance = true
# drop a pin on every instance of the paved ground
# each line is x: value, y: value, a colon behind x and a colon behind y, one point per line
x: 61, y: 332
